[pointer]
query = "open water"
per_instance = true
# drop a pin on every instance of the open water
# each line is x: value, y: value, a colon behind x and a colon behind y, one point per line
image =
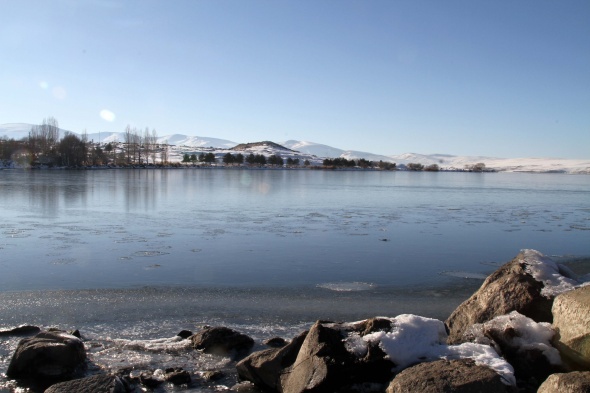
x: 133, y: 256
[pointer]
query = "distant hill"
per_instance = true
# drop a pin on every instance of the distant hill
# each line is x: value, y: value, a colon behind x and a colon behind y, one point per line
x: 19, y: 131
x: 264, y: 145
x: 315, y: 152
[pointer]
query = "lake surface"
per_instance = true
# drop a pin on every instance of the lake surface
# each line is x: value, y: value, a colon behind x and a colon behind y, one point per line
x: 142, y: 254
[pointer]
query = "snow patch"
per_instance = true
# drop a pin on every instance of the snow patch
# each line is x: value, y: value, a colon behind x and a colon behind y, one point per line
x: 545, y: 270
x: 529, y: 334
x: 415, y: 339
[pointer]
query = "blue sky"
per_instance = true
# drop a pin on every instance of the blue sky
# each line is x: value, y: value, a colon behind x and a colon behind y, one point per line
x: 495, y: 78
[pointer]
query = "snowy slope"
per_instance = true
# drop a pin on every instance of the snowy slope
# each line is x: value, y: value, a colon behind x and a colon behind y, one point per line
x: 19, y: 131
x: 315, y: 152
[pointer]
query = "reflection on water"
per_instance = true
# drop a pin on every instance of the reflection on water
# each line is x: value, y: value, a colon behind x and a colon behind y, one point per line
x: 252, y: 228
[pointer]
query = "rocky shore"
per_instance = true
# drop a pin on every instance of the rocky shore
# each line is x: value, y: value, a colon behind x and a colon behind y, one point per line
x: 527, y: 329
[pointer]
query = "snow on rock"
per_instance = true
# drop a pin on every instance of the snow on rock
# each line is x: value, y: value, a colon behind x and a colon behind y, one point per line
x: 415, y: 339
x: 526, y: 334
x: 545, y: 270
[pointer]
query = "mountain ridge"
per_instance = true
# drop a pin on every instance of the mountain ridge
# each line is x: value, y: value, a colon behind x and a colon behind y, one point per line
x: 185, y: 143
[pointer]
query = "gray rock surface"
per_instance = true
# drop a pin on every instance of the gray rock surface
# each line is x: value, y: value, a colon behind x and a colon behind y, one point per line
x: 48, y: 355
x: 571, y: 319
x: 510, y: 288
x: 319, y: 361
x: 574, y: 382
x: 222, y: 341
x: 93, y: 384
x: 454, y: 376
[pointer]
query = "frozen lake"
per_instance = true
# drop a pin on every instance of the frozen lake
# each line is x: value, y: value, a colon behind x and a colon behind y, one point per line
x: 268, y: 228
x: 145, y: 253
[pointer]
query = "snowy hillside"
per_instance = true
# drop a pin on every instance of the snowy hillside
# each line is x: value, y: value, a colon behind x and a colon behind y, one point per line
x: 315, y: 152
x: 174, y: 139
x: 19, y: 130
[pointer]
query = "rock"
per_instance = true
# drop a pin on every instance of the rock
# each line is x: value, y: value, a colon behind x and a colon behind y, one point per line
x: 47, y: 356
x: 456, y: 376
x: 510, y: 288
x: 23, y: 330
x: 571, y: 319
x: 177, y: 376
x: 275, y: 342
x: 525, y: 344
x: 264, y: 368
x: 320, y: 361
x: 574, y: 382
x: 245, y: 387
x: 222, y: 341
x: 185, y: 333
x: 212, y: 375
x: 151, y: 379
x: 93, y: 384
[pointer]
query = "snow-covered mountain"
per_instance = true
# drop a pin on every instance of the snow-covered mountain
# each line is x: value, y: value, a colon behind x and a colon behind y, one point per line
x: 174, y: 139
x: 315, y: 152
x: 19, y: 131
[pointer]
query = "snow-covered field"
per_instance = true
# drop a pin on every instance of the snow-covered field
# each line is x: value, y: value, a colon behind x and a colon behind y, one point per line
x: 315, y: 153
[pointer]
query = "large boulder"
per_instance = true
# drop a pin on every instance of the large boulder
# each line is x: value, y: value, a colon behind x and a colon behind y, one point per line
x: 48, y: 356
x: 457, y: 376
x: 524, y: 343
x: 264, y: 368
x: 222, y: 341
x: 327, y: 359
x: 347, y: 357
x: 574, y: 382
x: 94, y: 384
x: 527, y: 284
x: 571, y: 319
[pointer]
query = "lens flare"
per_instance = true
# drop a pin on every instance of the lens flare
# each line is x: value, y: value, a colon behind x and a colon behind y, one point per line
x: 107, y: 115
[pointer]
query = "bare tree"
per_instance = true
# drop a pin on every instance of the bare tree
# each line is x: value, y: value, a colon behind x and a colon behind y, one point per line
x: 128, y: 141
x: 154, y: 142
x: 43, y: 139
x: 164, y: 153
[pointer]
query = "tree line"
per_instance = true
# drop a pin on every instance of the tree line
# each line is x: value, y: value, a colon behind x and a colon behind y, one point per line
x: 251, y: 159
x: 43, y: 146
x: 342, y: 162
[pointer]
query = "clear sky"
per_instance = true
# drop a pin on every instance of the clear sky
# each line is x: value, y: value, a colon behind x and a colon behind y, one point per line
x: 498, y: 78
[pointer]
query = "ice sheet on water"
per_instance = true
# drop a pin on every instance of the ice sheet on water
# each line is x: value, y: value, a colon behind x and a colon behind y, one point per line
x: 348, y: 286
x: 471, y: 275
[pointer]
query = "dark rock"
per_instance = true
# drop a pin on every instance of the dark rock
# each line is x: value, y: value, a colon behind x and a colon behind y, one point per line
x: 93, y: 384
x: 148, y: 379
x: 177, y: 376
x: 574, y: 382
x: 245, y: 387
x: 265, y: 368
x: 222, y: 341
x: 456, y: 376
x: 510, y: 288
x: 185, y: 333
x: 319, y: 361
x: 47, y: 356
x: 275, y: 342
x: 23, y: 330
x: 75, y: 333
x: 212, y: 375
x: 533, y: 361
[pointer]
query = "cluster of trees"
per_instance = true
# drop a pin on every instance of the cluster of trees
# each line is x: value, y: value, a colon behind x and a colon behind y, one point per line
x: 43, y: 146
x: 251, y: 159
x: 341, y: 162
x: 141, y: 147
x: 208, y: 157
x: 479, y: 167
